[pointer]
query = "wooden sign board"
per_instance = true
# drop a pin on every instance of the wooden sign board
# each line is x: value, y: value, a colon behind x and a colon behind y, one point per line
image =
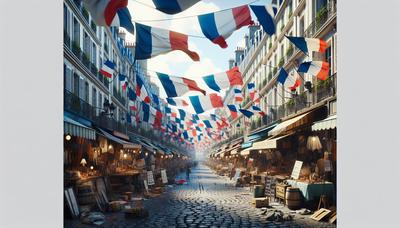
x: 270, y: 183
x: 150, y: 178
x: 146, y: 186
x: 164, y: 176
x: 237, y: 175
x: 296, y: 170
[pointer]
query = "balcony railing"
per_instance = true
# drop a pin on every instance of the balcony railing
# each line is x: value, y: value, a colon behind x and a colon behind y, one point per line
x: 119, y: 96
x: 322, y: 16
x: 79, y: 107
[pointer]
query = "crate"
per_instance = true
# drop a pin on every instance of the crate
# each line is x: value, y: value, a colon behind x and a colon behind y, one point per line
x: 280, y: 191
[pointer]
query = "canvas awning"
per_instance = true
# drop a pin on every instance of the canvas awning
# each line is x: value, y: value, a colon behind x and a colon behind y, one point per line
x: 125, y: 144
x: 270, y: 143
x: 325, y: 124
x: 289, y: 124
x: 75, y: 128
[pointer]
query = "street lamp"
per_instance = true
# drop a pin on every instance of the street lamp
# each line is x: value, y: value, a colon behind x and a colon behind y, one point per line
x: 68, y: 137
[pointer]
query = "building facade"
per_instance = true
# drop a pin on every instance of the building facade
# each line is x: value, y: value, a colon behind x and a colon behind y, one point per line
x: 260, y: 60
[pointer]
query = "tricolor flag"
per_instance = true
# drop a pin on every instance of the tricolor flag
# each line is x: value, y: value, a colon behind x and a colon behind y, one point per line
x: 265, y: 15
x: 152, y: 41
x: 177, y: 101
x: 319, y: 69
x: 123, y: 80
x: 177, y: 86
x: 141, y: 91
x: 233, y: 110
x: 308, y: 45
x: 110, y: 13
x: 132, y: 99
x: 282, y: 76
x: 107, y: 69
x: 251, y: 111
x: 224, y: 80
x: 201, y: 104
x: 237, y: 91
x: 296, y: 84
x: 173, y: 6
x: 218, y: 26
x: 253, y: 92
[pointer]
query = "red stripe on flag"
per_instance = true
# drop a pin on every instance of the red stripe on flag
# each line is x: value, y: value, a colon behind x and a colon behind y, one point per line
x: 234, y: 76
x: 111, y: 9
x: 192, y: 85
x: 242, y: 16
x: 179, y: 41
x: 216, y: 101
x: 323, y: 73
x: 105, y: 73
x: 322, y: 45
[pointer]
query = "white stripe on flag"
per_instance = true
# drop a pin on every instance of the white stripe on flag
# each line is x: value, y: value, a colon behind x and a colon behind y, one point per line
x: 225, y: 23
x: 160, y: 41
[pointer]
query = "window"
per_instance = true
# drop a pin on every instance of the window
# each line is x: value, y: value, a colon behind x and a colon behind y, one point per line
x: 328, y: 58
x: 301, y: 27
x: 94, y: 54
x: 86, y: 44
x: 66, y: 19
x: 76, y: 32
x: 67, y: 79
x: 76, y: 84
x: 86, y: 91
x: 319, y: 5
x: 94, y: 97
x: 100, y: 101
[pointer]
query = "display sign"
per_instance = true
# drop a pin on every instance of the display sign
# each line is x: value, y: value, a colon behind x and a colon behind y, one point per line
x: 164, y: 176
x: 146, y: 186
x: 296, y: 170
x: 270, y: 183
x: 237, y: 175
x: 327, y: 165
x: 150, y: 178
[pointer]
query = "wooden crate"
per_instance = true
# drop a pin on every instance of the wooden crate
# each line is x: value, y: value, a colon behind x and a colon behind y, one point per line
x: 280, y: 191
x: 260, y: 202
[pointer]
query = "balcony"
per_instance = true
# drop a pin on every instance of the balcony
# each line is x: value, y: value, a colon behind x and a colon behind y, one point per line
x: 79, y: 107
x: 118, y: 96
x: 323, y: 15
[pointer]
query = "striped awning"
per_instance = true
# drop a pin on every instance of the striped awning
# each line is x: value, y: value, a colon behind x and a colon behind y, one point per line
x: 326, y: 124
x: 77, y: 129
x: 125, y: 144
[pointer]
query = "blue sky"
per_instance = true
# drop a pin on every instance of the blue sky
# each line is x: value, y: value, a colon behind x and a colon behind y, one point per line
x: 213, y: 59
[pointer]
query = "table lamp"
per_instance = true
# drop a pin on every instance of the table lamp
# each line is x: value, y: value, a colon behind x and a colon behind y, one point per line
x: 313, y: 143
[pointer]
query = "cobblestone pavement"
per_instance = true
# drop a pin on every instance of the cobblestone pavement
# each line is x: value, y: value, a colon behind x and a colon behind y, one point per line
x: 207, y: 200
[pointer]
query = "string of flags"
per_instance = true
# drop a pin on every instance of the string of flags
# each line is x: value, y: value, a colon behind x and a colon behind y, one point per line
x: 181, y: 117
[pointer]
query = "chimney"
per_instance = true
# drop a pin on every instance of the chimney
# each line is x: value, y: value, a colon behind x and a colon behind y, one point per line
x: 231, y: 63
x: 238, y: 53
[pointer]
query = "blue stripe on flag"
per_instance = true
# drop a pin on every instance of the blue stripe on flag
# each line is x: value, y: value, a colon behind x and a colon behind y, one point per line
x: 171, y: 101
x: 266, y: 20
x: 210, y: 81
x: 247, y: 113
x: 167, y: 6
x: 207, y: 123
x: 182, y: 114
x: 300, y: 42
x: 144, y: 43
x: 125, y: 19
x: 303, y: 68
x: 282, y: 76
x: 195, y: 100
x: 168, y: 85
x: 208, y: 26
x: 146, y: 112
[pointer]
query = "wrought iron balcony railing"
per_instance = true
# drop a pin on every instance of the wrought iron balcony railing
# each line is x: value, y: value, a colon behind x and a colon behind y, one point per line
x: 323, y: 15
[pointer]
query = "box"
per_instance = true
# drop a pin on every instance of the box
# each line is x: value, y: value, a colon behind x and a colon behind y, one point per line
x: 280, y: 191
x: 260, y: 202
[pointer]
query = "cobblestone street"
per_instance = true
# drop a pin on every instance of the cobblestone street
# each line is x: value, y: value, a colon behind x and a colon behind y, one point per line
x: 207, y: 200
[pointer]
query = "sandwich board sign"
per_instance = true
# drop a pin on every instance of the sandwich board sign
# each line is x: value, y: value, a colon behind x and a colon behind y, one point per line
x: 150, y: 178
x: 164, y: 176
x: 296, y: 170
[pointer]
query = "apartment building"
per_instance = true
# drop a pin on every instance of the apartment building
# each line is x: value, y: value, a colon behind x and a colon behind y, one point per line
x: 263, y: 56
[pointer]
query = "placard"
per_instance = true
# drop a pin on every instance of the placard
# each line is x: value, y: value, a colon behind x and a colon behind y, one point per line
x: 146, y: 186
x: 296, y: 170
x: 150, y: 178
x: 164, y: 176
x: 270, y: 183
x: 327, y: 165
x: 237, y: 175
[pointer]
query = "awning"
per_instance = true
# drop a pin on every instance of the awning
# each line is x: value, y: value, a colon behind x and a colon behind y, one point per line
x: 269, y: 143
x: 328, y: 123
x: 233, y: 152
x: 260, y: 134
x: 125, y: 144
x: 288, y: 124
x: 75, y: 128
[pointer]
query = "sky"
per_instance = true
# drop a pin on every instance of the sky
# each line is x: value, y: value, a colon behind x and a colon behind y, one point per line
x: 213, y: 59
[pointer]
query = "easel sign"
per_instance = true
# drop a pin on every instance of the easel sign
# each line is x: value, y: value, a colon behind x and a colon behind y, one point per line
x: 146, y: 186
x: 296, y: 170
x: 164, y: 176
x: 150, y: 178
x: 237, y: 175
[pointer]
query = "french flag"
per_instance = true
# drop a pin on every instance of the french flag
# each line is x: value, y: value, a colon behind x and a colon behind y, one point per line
x: 123, y: 80
x: 233, y: 109
x: 251, y: 111
x: 110, y: 13
x: 177, y: 101
x: 296, y: 84
x: 201, y: 104
x: 255, y: 97
x: 320, y: 69
x: 308, y: 45
x: 224, y: 80
x: 178, y: 86
x: 107, y: 69
x: 141, y: 91
x: 238, y: 94
x: 265, y: 15
x: 173, y: 6
x: 218, y: 26
x: 152, y: 41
